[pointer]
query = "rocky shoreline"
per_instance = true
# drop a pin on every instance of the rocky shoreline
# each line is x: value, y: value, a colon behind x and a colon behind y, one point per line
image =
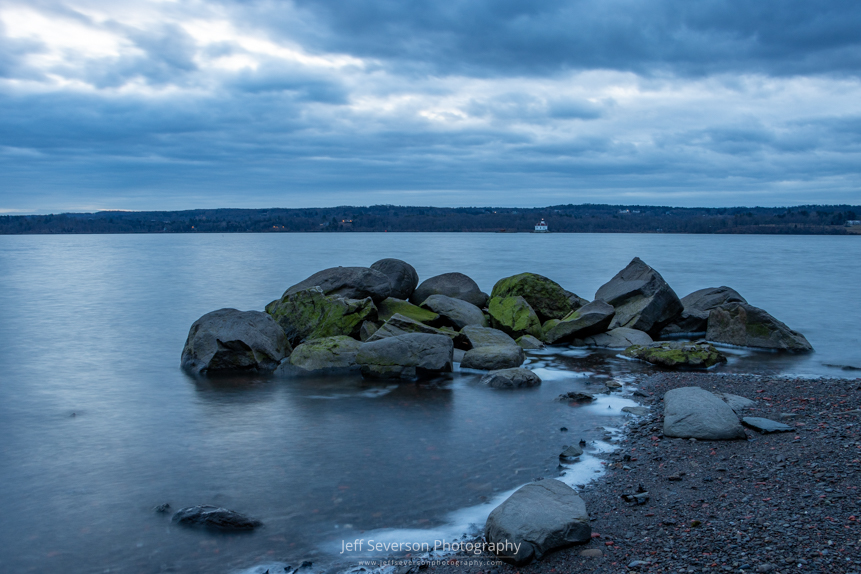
x: 782, y: 502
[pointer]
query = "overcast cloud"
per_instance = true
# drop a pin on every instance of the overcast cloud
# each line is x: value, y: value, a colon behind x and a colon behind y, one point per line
x: 178, y: 105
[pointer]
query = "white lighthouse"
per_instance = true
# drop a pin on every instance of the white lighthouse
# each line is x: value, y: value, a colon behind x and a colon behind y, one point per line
x: 541, y: 227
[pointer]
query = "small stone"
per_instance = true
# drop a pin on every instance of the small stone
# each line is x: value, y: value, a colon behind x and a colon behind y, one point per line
x: 162, y: 508
x: 591, y: 553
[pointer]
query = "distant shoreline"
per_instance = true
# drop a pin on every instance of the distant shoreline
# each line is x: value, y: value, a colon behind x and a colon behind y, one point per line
x: 586, y: 218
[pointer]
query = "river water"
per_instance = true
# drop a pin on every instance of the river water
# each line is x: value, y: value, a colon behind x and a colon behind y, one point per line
x: 98, y: 424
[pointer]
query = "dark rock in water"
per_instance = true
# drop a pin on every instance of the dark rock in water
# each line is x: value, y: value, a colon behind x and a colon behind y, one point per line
x: 310, y: 314
x: 347, y: 282
x: 641, y: 297
x: 456, y: 312
x: 547, y: 298
x: 400, y: 325
x: 162, y: 508
x: 514, y: 316
x: 748, y: 326
x: 214, y: 517
x: 691, y: 412
x: 231, y: 340
x: 676, y: 354
x: 766, y: 426
x: 387, y: 308
x: 402, y: 276
x: 485, y: 337
x: 576, y: 396
x: 331, y: 355
x: 695, y: 315
x: 406, y: 356
x: 570, y: 452
x: 538, y: 518
x: 517, y: 378
x: 529, y: 342
x: 455, y: 285
x: 493, y: 358
x: 618, y: 338
x: 589, y: 320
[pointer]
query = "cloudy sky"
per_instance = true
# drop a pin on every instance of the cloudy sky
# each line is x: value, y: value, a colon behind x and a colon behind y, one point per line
x: 176, y: 105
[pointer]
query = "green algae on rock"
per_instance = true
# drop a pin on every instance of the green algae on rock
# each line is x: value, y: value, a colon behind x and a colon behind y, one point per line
x: 676, y: 354
x: 546, y: 297
x: 391, y: 305
x: 309, y: 314
x: 514, y: 315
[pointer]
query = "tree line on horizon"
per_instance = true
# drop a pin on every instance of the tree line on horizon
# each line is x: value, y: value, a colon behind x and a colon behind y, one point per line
x: 587, y: 218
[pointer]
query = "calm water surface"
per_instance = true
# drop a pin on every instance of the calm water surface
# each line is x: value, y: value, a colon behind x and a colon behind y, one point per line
x: 99, y: 425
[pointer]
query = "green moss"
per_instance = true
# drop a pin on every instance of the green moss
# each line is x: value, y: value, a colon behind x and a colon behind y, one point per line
x: 390, y: 306
x: 309, y: 315
x: 514, y: 316
x: 547, y: 298
x: 758, y: 330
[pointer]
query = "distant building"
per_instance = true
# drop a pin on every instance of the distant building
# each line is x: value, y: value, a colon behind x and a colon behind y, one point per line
x: 849, y: 222
x: 541, y: 227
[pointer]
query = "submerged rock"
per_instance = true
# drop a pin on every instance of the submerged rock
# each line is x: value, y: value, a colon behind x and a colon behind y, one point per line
x: 571, y: 452
x: 214, y: 517
x: 748, y: 326
x: 589, y: 320
x: 676, y: 354
x: 455, y: 285
x: 517, y: 378
x: 514, y: 316
x: 538, y: 518
x: 546, y: 297
x: 402, y: 276
x: 327, y: 355
x: 231, y: 340
x: 406, y: 356
x: 456, y: 312
x: 641, y: 297
x: 691, y: 412
x: 619, y: 338
x: 347, y: 282
x: 309, y: 314
x: 697, y: 305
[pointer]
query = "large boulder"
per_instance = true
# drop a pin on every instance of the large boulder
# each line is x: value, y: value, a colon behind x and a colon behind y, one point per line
x: 310, y: 314
x: 677, y: 354
x: 485, y: 337
x: 517, y: 378
x: 514, y: 316
x: 214, y: 517
x: 546, y: 297
x: 328, y: 355
x: 538, y: 518
x: 748, y: 326
x: 493, y: 358
x: 406, y: 356
x: 388, y: 307
x: 231, y: 340
x: 529, y: 342
x: 641, y: 297
x: 347, y: 282
x: 402, y: 276
x: 400, y: 325
x: 691, y: 412
x: 455, y: 285
x: 456, y: 312
x: 589, y: 320
x: 697, y: 305
x: 618, y: 338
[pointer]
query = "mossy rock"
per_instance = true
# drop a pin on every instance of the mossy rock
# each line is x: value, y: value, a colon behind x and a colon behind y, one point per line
x: 748, y: 326
x: 677, y: 354
x: 327, y: 354
x: 390, y: 306
x: 546, y: 297
x: 309, y: 314
x: 514, y: 316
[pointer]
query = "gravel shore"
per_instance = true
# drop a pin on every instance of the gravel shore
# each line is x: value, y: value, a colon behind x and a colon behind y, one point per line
x: 779, y: 503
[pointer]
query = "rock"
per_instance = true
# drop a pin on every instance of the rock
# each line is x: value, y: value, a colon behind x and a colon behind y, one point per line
x: 456, y: 312
x: 493, y: 358
x: 641, y: 297
x: 327, y: 355
x: 748, y: 326
x: 619, y: 338
x: 458, y: 355
x: 214, y: 517
x: 231, y: 340
x: 576, y: 397
x: 736, y: 402
x: 485, y: 337
x: 589, y: 320
x: 402, y: 276
x: 347, y: 282
x: 572, y: 451
x: 310, y: 314
x: 517, y: 378
x: 388, y: 307
x: 366, y: 330
x: 514, y: 316
x: 546, y: 297
x: 406, y: 356
x: 400, y: 325
x: 591, y: 553
x: 691, y: 412
x: 766, y: 426
x: 455, y: 285
x: 695, y: 315
x: 162, y: 508
x: 536, y: 519
x: 676, y: 354
x: 528, y: 342
x: 636, y: 411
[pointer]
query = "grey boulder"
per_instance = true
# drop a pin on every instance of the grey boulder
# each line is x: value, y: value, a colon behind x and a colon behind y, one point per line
x: 231, y: 340
x: 618, y: 338
x: 330, y: 355
x: 406, y: 356
x: 695, y: 315
x: 402, y: 276
x: 691, y: 412
x: 495, y: 357
x: 517, y: 378
x: 591, y: 319
x: 736, y: 402
x: 538, y: 518
x: 400, y: 325
x: 455, y: 285
x: 456, y: 312
x: 215, y: 518
x: 485, y: 337
x: 641, y: 297
x: 347, y: 282
x: 529, y: 342
x: 748, y: 326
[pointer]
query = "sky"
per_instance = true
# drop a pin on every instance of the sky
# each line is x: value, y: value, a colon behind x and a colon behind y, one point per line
x: 167, y: 105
